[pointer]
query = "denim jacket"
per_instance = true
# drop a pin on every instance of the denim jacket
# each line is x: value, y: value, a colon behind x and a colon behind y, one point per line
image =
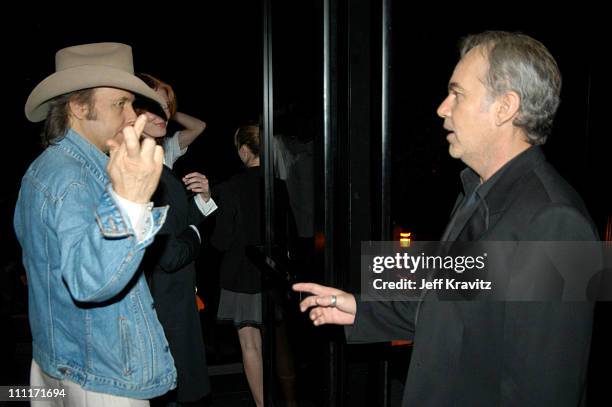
x: 91, y: 313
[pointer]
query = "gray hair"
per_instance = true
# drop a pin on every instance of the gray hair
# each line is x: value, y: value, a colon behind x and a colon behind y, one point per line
x: 521, y: 64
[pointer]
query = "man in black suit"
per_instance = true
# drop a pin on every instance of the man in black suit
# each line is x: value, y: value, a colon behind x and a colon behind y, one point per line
x: 502, y: 98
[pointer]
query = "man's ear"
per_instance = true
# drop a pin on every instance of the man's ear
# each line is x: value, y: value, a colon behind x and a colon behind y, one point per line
x: 78, y: 110
x: 508, y: 107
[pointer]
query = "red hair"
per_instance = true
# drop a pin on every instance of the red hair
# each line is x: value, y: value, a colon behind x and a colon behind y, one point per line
x: 156, y: 84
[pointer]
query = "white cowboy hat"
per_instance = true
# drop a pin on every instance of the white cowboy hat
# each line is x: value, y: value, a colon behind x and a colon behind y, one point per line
x: 105, y: 64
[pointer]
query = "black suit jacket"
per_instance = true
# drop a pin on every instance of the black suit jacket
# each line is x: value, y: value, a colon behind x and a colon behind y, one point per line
x: 239, y: 224
x: 169, y: 264
x: 498, y: 353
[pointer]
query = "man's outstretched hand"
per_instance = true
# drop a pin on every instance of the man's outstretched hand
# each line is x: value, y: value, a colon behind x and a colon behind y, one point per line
x: 322, y: 307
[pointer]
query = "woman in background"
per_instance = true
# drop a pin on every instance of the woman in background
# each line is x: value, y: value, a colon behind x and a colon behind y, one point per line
x: 175, y: 145
x: 169, y: 261
x: 239, y: 225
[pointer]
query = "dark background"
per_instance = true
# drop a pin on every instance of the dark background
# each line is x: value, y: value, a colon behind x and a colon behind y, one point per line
x: 212, y: 55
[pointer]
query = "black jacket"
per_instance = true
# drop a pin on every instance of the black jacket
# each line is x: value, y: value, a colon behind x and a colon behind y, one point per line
x: 498, y: 353
x: 169, y: 264
x: 240, y: 223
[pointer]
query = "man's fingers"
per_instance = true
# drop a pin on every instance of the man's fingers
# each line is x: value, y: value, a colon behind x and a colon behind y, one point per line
x: 308, y: 302
x: 134, y: 167
x: 318, y: 316
x: 112, y: 154
x: 158, y: 155
x: 112, y: 146
x: 314, y: 288
x: 194, y: 177
x: 139, y: 125
x: 193, y: 181
x: 131, y: 136
x: 314, y: 314
x: 131, y: 142
x: 326, y: 300
x: 147, y: 147
x: 318, y: 301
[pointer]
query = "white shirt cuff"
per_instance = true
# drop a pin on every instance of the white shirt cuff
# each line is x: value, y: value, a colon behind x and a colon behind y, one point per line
x: 138, y: 214
x: 205, y: 207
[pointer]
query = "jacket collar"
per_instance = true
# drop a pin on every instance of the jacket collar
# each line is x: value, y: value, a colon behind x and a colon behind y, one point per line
x: 514, y: 171
x: 87, y: 153
x: 495, y: 200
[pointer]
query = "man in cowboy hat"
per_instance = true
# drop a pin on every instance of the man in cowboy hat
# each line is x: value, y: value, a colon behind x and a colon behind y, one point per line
x: 84, y: 220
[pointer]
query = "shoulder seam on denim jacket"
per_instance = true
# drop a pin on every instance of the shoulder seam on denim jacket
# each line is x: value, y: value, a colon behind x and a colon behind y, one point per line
x: 100, y: 177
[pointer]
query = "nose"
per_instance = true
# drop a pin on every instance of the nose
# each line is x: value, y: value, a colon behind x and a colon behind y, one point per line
x: 444, y: 108
x: 130, y: 115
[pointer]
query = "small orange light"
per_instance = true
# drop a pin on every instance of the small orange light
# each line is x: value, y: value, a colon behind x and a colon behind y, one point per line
x: 401, y: 342
x: 405, y: 239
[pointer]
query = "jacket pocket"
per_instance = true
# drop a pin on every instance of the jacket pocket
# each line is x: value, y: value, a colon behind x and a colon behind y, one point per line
x: 126, y: 346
